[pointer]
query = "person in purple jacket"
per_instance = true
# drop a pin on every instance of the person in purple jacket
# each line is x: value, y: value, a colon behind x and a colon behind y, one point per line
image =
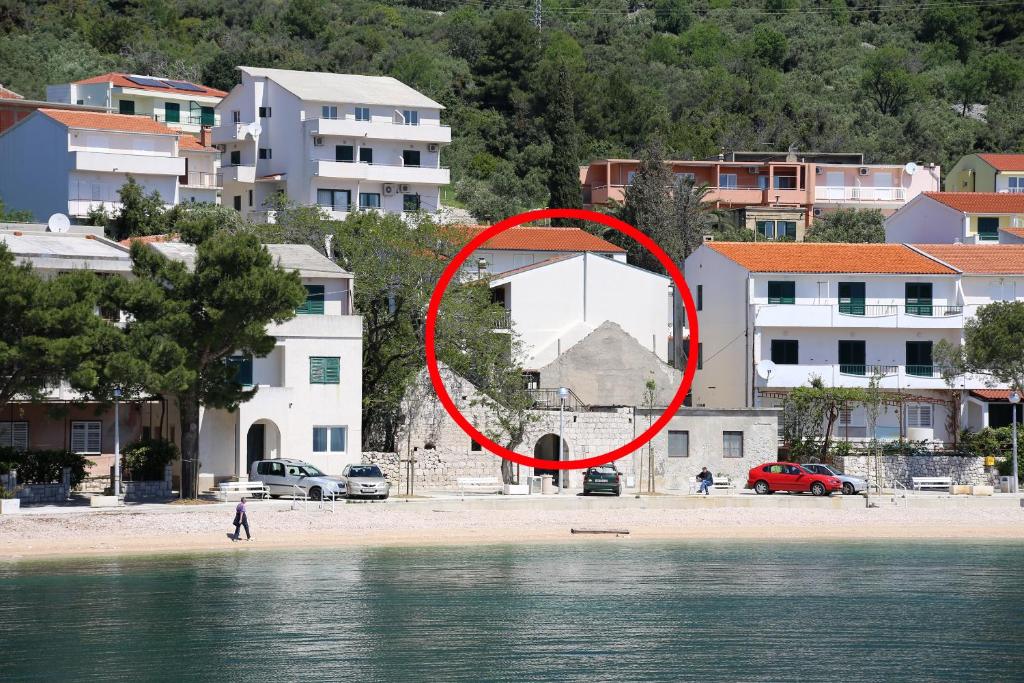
x: 241, y: 520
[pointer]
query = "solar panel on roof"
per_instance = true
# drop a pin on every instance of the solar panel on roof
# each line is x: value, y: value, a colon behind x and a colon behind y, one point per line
x: 148, y: 82
x: 184, y: 85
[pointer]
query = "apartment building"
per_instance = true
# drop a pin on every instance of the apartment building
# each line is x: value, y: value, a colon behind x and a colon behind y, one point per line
x: 181, y: 105
x: 526, y: 245
x: 62, y: 161
x: 776, y: 194
x: 202, y: 180
x: 986, y: 173
x: 338, y: 141
x: 15, y: 107
x: 948, y: 217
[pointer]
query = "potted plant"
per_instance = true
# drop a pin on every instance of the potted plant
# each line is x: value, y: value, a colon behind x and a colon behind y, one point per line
x: 9, y: 503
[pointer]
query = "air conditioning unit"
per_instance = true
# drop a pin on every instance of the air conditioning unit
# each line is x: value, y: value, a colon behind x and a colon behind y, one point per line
x: 862, y: 170
x: 403, y: 188
x: 318, y: 141
x: 431, y: 147
x: 753, y: 170
x: 817, y: 212
x: 709, y: 238
x: 818, y: 170
x: 389, y: 189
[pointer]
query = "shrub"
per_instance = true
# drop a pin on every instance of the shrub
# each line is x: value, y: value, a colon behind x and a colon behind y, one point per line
x: 44, y: 467
x: 146, y: 459
x: 997, y: 442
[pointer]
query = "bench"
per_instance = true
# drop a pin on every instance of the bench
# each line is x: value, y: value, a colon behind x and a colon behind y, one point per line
x: 479, y: 484
x: 718, y: 483
x: 937, y: 483
x: 255, y: 489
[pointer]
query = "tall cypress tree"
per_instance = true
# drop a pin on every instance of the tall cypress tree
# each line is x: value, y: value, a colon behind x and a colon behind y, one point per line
x: 648, y: 206
x: 563, y: 167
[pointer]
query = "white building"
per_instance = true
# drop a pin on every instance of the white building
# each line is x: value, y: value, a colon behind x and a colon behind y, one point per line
x: 525, y: 245
x: 774, y: 316
x: 70, y: 162
x: 202, y: 180
x: 181, y: 105
x: 343, y: 142
x: 949, y: 217
x: 555, y: 303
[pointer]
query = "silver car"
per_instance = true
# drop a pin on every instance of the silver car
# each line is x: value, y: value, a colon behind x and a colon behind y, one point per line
x: 851, y: 485
x: 365, y: 481
x: 285, y: 477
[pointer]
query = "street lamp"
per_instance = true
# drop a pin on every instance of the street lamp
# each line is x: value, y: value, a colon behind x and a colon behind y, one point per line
x: 1014, y: 400
x: 562, y: 474
x: 117, y: 443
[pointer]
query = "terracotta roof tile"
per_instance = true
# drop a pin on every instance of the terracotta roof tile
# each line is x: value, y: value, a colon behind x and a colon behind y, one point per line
x: 8, y: 94
x: 121, y: 80
x: 980, y: 202
x: 189, y: 143
x: 1004, y: 162
x: 978, y: 259
x: 810, y: 257
x: 991, y: 394
x: 530, y: 238
x: 123, y: 123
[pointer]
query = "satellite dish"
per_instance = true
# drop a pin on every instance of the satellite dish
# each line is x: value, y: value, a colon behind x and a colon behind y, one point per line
x: 58, y: 222
x: 765, y: 368
x: 910, y: 168
x: 254, y: 129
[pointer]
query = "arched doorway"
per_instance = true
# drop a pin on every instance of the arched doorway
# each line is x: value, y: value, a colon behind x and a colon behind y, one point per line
x: 547, y: 449
x: 262, y: 442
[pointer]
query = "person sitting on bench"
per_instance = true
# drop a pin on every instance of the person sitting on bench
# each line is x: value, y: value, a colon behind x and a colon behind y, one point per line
x: 705, y: 479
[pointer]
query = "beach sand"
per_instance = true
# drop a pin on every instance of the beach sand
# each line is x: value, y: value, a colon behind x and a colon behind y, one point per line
x: 160, y: 529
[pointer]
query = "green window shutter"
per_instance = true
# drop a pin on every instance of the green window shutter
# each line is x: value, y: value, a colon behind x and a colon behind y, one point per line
x: 782, y: 292
x: 324, y: 370
x: 314, y: 303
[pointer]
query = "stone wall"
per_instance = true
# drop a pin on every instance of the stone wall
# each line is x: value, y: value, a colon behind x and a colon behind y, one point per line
x: 967, y: 470
x: 138, y: 490
x: 30, y: 494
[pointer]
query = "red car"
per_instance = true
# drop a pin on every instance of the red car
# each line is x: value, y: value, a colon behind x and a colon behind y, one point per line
x: 788, y: 476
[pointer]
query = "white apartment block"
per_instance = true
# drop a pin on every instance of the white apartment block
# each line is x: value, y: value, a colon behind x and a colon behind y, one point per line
x: 341, y: 142
x: 181, y: 105
x: 952, y: 217
x: 774, y: 316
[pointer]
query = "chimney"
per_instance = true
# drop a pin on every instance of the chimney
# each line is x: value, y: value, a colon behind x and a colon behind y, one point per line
x: 206, y: 136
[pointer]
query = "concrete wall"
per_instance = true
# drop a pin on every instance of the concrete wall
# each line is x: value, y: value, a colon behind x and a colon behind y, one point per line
x: 925, y: 221
x: 970, y: 174
x: 34, y: 166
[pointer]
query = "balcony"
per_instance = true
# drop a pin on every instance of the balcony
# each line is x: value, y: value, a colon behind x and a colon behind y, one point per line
x: 136, y: 164
x: 502, y: 321
x: 211, y: 181
x: 380, y: 130
x: 382, y: 173
x: 856, y: 375
x: 931, y: 316
x: 229, y: 132
x: 239, y: 174
x: 841, y: 193
x: 793, y: 315
x: 859, y: 315
x: 186, y: 119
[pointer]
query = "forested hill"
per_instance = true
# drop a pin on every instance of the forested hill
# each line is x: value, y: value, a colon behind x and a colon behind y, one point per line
x: 887, y: 78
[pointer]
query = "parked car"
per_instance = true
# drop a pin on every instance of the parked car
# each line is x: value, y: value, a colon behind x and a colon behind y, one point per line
x: 602, y: 479
x: 282, y: 475
x: 790, y: 477
x: 851, y: 485
x: 365, y: 481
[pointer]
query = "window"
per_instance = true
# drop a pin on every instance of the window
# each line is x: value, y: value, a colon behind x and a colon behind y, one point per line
x: 687, y: 178
x: 172, y: 112
x: 336, y: 200
x: 410, y: 202
x: 329, y: 439
x: 919, y: 298
x: 238, y: 202
x: 207, y: 116
x: 314, y: 303
x: 700, y: 297
x: 630, y: 176
x: 850, y: 424
x: 265, y: 113
x: 250, y: 197
x: 700, y: 355
x: 243, y: 369
x: 766, y: 229
x: 412, y: 118
x: 785, y: 230
x: 369, y: 200
x: 266, y: 153
x: 236, y: 116
x: 366, y: 155
x: 362, y: 113
x: 781, y: 292
x: 474, y: 447
x: 328, y: 111
x: 271, y: 469
x: 785, y: 182
x: 86, y: 436
x: 727, y: 180
x: 732, y: 444
x: 236, y: 157
x: 785, y: 351
x: 678, y: 444
x: 126, y: 107
x: 919, y: 358
x: 851, y: 357
x: 14, y: 435
x: 410, y: 157
x: 324, y: 370
x: 344, y: 153
x: 988, y: 228
x: 851, y: 298
x: 919, y: 415
x: 1015, y: 184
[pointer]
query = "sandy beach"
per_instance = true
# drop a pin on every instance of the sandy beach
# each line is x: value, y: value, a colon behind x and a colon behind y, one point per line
x: 156, y: 529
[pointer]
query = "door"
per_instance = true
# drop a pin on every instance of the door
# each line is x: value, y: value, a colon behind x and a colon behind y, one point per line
x: 919, y: 298
x: 835, y: 185
x: 883, y: 187
x: 919, y: 358
x: 852, y: 357
x: 255, y: 441
x: 851, y: 298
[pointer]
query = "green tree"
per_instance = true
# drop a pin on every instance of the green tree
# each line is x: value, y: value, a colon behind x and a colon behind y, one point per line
x: 14, y: 215
x: 887, y: 81
x: 564, y: 171
x: 140, y: 214
x: 510, y: 53
x: 993, y: 346
x: 648, y: 207
x: 187, y: 319
x: 693, y: 217
x: 848, y: 225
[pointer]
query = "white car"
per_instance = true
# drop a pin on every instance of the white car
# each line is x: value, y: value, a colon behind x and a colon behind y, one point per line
x: 284, y: 476
x: 851, y: 485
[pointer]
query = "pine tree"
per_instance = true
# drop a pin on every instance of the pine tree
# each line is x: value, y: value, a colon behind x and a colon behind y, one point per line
x: 648, y: 205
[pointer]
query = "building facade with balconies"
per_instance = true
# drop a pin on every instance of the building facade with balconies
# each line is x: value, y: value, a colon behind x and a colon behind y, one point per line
x: 340, y: 142
x: 951, y: 217
x: 773, y: 317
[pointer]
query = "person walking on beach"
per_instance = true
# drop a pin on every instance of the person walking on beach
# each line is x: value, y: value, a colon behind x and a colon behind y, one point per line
x: 704, y: 477
x: 241, y: 520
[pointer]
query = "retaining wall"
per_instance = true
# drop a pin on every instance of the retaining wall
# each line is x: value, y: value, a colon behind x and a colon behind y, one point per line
x: 967, y: 470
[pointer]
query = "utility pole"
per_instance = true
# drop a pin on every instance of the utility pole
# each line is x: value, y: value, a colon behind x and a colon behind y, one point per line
x: 538, y: 10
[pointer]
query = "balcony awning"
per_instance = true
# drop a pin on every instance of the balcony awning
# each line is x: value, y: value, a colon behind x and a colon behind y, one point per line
x: 273, y: 178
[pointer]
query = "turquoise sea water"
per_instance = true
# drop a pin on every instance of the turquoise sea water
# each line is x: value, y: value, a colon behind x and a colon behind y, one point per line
x: 588, y: 612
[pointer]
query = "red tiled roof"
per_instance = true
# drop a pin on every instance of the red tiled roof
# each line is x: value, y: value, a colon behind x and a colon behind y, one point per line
x: 123, y: 123
x: 991, y: 394
x: 980, y: 202
x: 121, y: 80
x: 1004, y: 162
x: 530, y: 238
x: 8, y: 94
x: 994, y: 259
x: 810, y: 257
x: 189, y: 143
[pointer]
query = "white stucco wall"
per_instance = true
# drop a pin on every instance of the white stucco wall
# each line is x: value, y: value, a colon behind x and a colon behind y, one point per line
x: 925, y: 221
x: 34, y: 167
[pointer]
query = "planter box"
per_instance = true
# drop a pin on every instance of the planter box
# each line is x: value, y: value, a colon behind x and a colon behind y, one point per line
x: 9, y: 506
x: 516, y: 489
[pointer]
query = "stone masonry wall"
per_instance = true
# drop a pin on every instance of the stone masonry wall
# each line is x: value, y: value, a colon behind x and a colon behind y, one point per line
x: 138, y: 490
x: 965, y: 470
x: 38, y: 493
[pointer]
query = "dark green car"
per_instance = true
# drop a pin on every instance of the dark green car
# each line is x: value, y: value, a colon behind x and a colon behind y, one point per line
x: 602, y: 479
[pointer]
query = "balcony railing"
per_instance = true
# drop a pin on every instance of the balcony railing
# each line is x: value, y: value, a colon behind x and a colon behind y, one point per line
x: 924, y: 370
x: 933, y: 311
x: 186, y: 119
x: 502, y: 320
x: 200, y: 179
x: 859, y: 194
x: 868, y: 310
x: 868, y: 370
x: 549, y: 399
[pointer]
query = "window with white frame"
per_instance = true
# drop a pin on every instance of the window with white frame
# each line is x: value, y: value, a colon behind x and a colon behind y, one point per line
x: 919, y: 415
x: 1015, y: 183
x: 727, y: 180
x: 362, y: 113
x: 732, y: 444
x: 330, y: 439
x: 14, y: 435
x: 412, y: 117
x: 328, y: 111
x: 86, y: 436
